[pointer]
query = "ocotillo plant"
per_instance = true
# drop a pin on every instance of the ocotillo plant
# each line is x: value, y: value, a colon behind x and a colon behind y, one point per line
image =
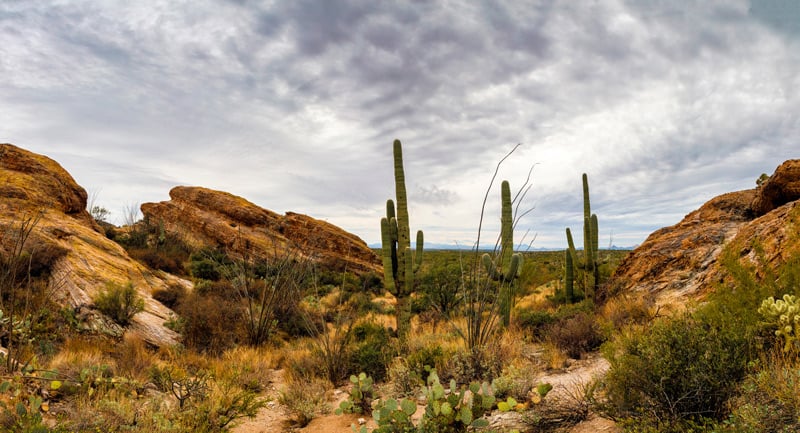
x: 399, y: 263
x: 508, y: 259
x: 591, y: 254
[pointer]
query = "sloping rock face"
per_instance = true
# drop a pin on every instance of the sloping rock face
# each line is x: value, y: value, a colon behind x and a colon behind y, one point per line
x: 204, y: 217
x: 683, y: 260
x: 79, y: 258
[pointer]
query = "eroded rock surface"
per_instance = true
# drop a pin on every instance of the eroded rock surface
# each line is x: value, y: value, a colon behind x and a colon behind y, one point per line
x: 65, y: 239
x: 205, y: 217
x: 684, y: 259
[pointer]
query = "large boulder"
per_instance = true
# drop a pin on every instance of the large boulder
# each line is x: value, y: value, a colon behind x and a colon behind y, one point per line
x: 203, y: 217
x: 79, y: 260
x: 780, y: 188
x: 683, y: 261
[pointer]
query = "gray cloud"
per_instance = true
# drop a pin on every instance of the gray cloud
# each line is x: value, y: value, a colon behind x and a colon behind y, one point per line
x: 294, y: 105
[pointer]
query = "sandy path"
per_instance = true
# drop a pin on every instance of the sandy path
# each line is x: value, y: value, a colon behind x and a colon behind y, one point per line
x: 567, y: 384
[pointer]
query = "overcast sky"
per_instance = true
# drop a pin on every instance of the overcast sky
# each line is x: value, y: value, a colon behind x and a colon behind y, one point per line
x: 294, y: 105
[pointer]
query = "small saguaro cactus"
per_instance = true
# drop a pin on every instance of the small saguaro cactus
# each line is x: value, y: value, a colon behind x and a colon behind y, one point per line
x: 400, y: 264
x: 510, y: 262
x: 591, y: 248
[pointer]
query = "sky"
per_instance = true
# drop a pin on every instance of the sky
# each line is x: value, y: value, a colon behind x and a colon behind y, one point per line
x: 294, y: 105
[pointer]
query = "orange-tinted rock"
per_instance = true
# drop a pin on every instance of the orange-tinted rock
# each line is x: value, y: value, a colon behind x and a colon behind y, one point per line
x: 204, y: 217
x: 683, y: 260
x: 781, y: 188
x: 80, y: 260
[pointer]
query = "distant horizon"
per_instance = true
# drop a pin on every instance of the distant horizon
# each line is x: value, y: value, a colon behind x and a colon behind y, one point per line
x: 455, y: 247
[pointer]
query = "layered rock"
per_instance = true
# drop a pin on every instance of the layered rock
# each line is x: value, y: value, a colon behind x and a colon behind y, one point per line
x: 683, y: 260
x: 79, y: 258
x: 204, y: 217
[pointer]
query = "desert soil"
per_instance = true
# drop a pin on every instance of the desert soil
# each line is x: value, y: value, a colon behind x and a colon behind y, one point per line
x: 275, y: 418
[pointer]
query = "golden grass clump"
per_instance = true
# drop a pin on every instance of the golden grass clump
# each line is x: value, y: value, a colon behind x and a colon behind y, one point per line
x: 79, y: 353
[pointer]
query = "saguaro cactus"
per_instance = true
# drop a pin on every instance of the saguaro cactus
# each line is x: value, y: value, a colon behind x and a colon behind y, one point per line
x: 591, y: 248
x: 512, y: 262
x: 569, y: 278
x: 400, y: 264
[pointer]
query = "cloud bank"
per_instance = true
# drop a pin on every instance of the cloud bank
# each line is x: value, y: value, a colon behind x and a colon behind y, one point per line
x: 294, y: 105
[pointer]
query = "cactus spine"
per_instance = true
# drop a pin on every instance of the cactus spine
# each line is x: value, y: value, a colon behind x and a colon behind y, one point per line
x: 400, y: 264
x: 508, y: 259
x: 591, y: 247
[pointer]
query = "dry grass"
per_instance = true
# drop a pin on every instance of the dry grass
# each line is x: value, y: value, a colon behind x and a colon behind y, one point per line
x: 133, y: 358
x: 80, y: 353
x: 247, y: 367
x: 306, y: 398
x: 553, y: 357
x: 625, y: 311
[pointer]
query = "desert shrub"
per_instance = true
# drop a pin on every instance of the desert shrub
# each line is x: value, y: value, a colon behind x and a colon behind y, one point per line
x: 403, y: 380
x: 535, y: 322
x: 514, y: 382
x: 224, y: 406
x: 305, y: 399
x: 371, y: 352
x: 424, y: 358
x: 621, y: 312
x: 576, y: 335
x: 478, y: 364
x: 439, y: 290
x: 171, y: 296
x: 132, y: 358
x: 205, y: 269
x: 119, y: 302
x: 680, y: 369
x: 210, y: 322
x: 371, y: 282
x: 158, y: 259
x: 769, y: 397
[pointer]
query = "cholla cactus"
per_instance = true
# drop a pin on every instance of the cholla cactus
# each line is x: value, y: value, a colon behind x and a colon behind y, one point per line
x: 784, y: 314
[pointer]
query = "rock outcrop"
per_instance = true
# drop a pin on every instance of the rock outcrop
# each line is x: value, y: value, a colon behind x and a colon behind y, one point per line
x: 780, y: 188
x: 204, y: 217
x: 683, y: 260
x: 80, y: 260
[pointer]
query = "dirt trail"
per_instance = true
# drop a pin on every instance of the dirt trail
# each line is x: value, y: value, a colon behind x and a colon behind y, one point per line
x: 275, y: 418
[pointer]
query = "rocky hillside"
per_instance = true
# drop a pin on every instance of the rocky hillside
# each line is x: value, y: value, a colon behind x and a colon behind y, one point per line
x: 204, y: 217
x: 682, y: 260
x: 79, y: 261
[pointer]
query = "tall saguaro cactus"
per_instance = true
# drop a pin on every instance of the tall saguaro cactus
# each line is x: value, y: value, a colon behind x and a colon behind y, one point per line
x: 400, y: 264
x: 508, y: 259
x: 591, y: 248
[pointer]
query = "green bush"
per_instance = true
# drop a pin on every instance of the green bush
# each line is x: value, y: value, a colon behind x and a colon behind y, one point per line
x: 371, y: 352
x: 205, y: 269
x: 119, y: 302
x: 681, y: 369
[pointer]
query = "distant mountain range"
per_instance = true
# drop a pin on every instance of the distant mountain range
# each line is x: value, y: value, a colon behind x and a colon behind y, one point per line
x: 435, y: 246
